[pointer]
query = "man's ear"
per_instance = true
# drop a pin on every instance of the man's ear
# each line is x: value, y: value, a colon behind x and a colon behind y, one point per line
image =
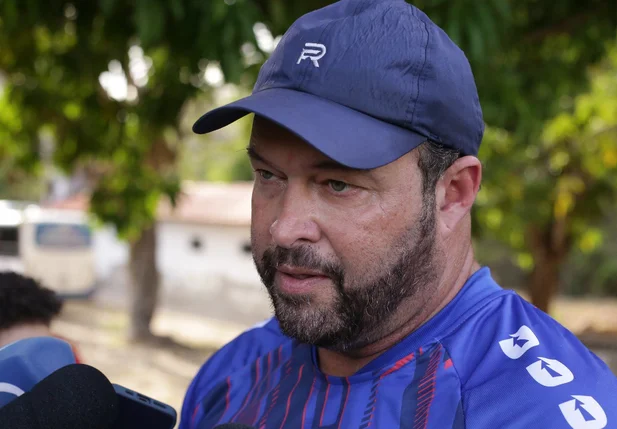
x: 457, y: 189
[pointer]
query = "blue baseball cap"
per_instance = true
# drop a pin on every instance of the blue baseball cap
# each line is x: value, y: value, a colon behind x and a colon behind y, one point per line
x: 364, y: 82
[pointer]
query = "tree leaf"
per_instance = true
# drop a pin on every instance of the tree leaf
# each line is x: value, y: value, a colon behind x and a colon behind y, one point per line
x: 107, y: 6
x: 177, y: 9
x: 150, y: 20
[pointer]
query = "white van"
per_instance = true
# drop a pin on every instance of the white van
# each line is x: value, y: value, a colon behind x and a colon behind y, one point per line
x: 52, y: 246
x: 11, y: 218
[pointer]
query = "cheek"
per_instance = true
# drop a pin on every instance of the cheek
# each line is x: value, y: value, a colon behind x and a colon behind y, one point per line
x: 262, y: 217
x: 365, y: 241
x: 359, y: 243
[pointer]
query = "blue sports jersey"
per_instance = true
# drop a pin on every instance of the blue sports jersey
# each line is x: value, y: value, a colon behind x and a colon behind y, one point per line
x: 489, y: 359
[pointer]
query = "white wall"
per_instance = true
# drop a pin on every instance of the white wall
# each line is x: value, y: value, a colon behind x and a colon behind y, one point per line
x: 221, y: 253
x: 217, y: 280
x: 110, y: 253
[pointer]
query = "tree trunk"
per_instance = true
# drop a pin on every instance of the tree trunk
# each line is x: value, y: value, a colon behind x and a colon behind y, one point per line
x: 144, y: 280
x: 549, y: 249
x: 544, y: 282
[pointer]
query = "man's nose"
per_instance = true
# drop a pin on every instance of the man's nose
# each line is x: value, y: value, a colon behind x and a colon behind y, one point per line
x: 295, y: 223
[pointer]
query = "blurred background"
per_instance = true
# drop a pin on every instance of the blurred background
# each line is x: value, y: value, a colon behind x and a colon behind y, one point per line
x: 143, y: 227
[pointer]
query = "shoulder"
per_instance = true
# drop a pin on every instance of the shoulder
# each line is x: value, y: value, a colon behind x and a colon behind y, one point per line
x: 519, y: 367
x: 234, y: 356
x: 508, y: 331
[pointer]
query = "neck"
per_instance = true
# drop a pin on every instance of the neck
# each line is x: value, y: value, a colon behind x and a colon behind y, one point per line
x: 21, y: 332
x: 448, y: 285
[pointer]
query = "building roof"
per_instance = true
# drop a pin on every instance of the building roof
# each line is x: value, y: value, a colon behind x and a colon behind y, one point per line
x: 225, y: 204
x: 211, y: 203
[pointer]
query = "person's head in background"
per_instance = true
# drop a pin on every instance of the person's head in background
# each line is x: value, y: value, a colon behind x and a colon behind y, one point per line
x: 26, y: 308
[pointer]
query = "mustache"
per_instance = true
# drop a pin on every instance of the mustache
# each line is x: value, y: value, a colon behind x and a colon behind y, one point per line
x: 301, y: 257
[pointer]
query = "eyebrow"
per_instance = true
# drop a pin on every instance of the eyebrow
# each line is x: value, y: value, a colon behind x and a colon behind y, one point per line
x: 254, y: 156
x: 321, y: 165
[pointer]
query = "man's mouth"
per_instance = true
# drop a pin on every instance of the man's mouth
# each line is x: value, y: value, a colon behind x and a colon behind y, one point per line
x: 298, y: 280
x: 300, y: 273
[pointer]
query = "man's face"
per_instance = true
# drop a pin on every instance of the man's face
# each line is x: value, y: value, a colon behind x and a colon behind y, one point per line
x: 339, y: 250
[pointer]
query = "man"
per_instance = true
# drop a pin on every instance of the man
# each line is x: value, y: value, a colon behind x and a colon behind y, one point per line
x: 367, y: 126
x: 26, y: 309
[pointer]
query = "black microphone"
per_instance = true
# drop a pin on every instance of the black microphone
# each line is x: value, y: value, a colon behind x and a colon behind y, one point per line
x: 233, y: 426
x: 73, y: 397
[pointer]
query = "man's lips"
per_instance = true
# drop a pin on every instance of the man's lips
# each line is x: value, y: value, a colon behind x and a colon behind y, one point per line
x: 299, y: 272
x: 296, y: 280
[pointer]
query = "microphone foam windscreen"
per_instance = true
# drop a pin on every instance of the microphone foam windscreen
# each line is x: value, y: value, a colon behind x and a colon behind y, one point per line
x: 73, y: 397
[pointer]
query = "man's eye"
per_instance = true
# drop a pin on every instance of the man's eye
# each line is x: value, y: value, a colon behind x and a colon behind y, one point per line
x: 265, y: 174
x: 338, y: 186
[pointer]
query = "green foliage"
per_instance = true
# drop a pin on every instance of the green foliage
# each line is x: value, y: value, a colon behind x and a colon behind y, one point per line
x: 594, y: 272
x: 129, y: 202
x: 54, y: 54
x: 568, y: 175
x: 218, y: 158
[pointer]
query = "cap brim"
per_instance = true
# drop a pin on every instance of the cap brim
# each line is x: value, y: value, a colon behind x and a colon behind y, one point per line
x: 347, y: 136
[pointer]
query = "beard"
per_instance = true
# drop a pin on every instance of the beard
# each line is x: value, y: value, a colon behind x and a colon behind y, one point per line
x: 364, y: 305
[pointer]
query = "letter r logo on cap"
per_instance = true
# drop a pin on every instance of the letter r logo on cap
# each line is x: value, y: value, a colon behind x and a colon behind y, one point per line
x: 312, y: 51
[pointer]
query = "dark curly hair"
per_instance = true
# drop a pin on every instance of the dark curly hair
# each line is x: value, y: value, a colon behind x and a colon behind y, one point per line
x: 24, y: 301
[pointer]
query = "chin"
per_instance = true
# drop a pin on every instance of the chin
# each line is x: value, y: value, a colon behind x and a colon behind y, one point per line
x: 318, y: 300
x: 313, y: 325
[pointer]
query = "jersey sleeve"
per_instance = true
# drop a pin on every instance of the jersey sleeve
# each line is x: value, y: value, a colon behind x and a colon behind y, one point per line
x: 522, y: 369
x: 241, y: 351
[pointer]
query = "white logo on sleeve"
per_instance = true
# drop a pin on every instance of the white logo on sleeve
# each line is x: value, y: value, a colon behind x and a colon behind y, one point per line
x: 10, y: 389
x: 550, y: 372
x: 312, y: 51
x: 521, y: 341
x: 583, y: 412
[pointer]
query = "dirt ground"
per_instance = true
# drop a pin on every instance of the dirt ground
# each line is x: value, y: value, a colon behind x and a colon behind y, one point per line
x: 164, y: 373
